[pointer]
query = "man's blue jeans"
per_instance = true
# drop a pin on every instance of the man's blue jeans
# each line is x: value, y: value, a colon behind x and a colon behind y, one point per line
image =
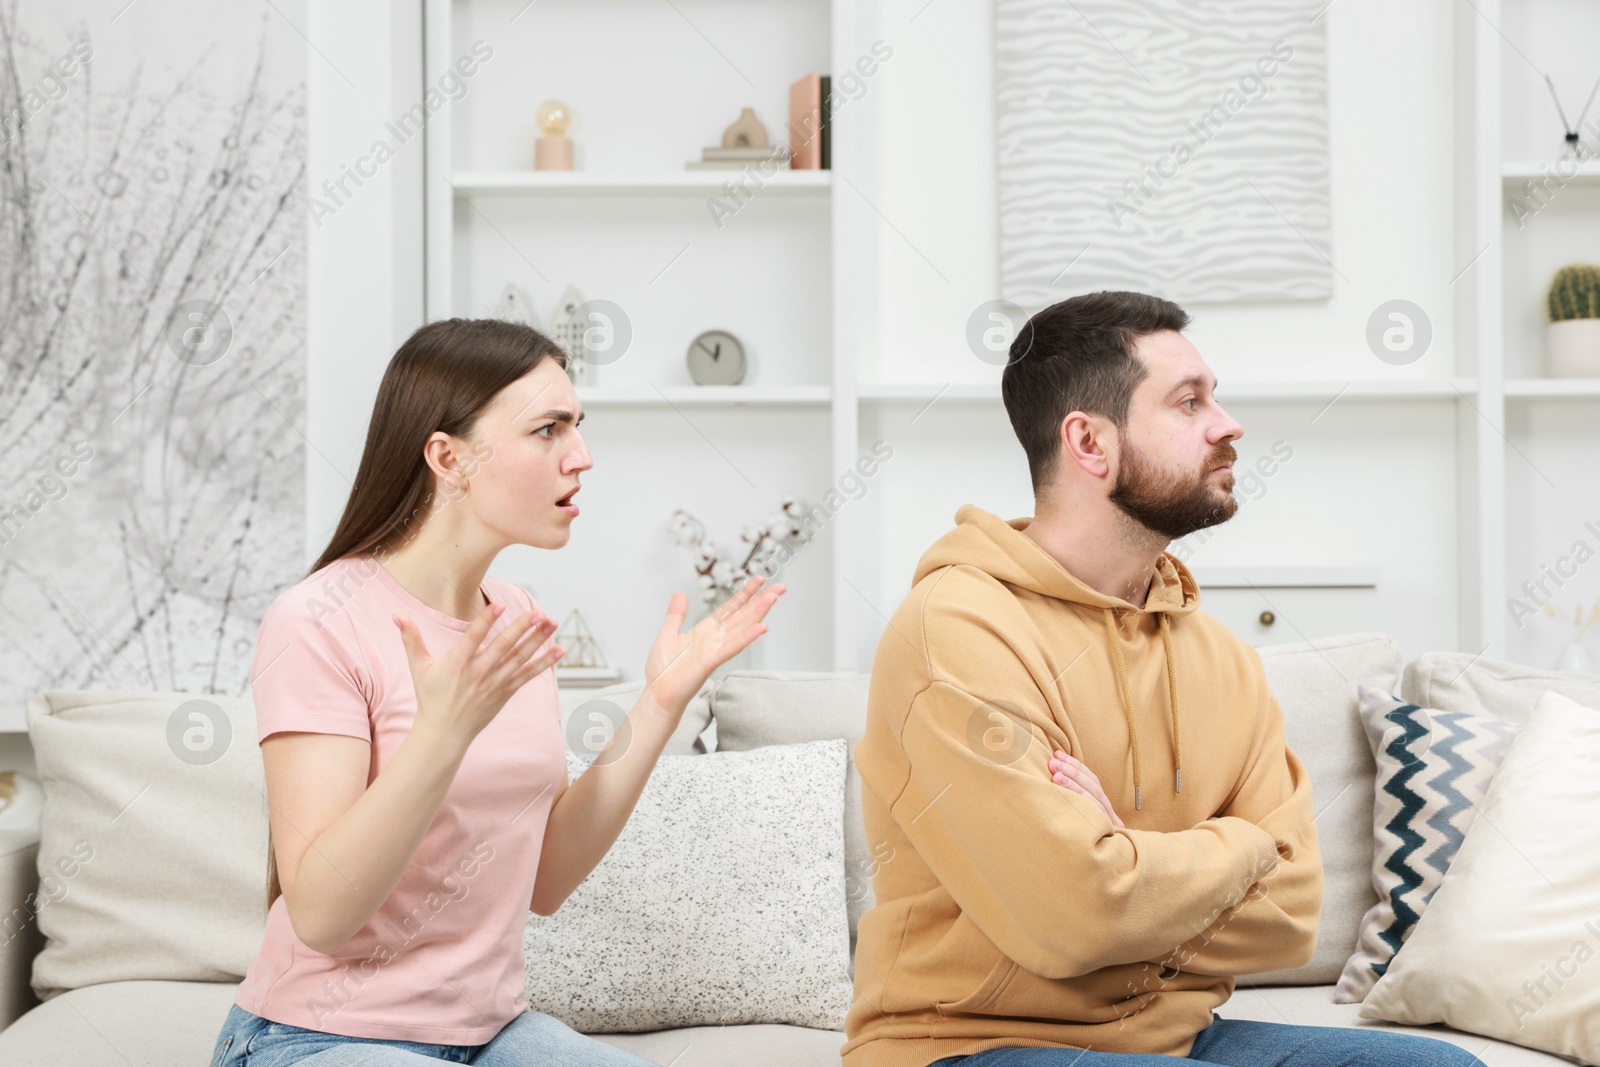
x: 1246, y: 1043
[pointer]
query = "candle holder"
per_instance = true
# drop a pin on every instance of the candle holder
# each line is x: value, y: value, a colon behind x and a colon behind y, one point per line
x: 553, y: 151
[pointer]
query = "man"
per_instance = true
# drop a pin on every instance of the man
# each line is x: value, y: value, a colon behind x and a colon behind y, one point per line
x: 1058, y: 883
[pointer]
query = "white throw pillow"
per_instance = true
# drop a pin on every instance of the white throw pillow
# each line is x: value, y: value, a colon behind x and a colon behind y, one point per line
x: 1508, y: 946
x: 153, y: 842
x: 721, y: 902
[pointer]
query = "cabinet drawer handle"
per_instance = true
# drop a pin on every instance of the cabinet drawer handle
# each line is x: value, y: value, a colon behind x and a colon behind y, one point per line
x: 1268, y: 618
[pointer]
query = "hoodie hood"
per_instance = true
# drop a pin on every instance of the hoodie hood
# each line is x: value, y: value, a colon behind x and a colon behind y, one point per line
x: 999, y: 548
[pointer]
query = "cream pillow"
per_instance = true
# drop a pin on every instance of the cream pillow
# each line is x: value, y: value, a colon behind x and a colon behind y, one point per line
x: 1508, y: 946
x: 153, y: 843
x: 721, y: 902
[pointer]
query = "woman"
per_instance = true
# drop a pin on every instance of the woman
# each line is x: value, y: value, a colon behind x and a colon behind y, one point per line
x: 412, y: 738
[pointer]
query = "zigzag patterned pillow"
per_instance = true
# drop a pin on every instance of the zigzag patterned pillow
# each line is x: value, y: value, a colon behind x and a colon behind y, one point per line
x: 1433, y: 771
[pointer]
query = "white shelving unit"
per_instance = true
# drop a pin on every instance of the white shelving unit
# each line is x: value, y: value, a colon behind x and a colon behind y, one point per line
x: 1515, y: 173
x: 1227, y: 391
x: 705, y: 395
x: 802, y: 394
x: 1552, y: 388
x: 811, y: 393
x: 792, y: 183
x: 1506, y: 49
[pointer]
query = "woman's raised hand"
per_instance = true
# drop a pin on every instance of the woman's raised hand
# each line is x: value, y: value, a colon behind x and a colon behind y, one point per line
x: 460, y: 692
x: 680, y: 663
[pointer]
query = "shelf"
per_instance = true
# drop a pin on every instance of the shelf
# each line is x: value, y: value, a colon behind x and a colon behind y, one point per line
x: 1521, y: 171
x: 1553, y: 388
x: 924, y: 391
x: 1270, y: 577
x: 1229, y: 391
x: 704, y: 395
x: 588, y: 183
x: 1378, y: 389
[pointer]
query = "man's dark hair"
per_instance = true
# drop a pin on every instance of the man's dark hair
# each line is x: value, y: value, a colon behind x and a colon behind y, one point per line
x: 1078, y: 355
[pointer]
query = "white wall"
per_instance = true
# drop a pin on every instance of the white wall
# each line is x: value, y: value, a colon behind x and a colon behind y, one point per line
x: 1552, y: 483
x: 365, y: 260
x: 1371, y: 483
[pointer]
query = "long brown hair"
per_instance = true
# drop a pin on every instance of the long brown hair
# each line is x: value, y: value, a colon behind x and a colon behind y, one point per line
x: 440, y: 380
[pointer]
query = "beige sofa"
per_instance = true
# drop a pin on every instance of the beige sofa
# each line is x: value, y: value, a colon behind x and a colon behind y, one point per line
x: 135, y: 1013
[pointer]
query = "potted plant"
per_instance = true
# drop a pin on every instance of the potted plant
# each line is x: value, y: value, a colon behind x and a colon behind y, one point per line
x: 1572, y: 343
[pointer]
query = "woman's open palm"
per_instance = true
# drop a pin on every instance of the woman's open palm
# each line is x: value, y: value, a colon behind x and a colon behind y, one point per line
x: 679, y: 663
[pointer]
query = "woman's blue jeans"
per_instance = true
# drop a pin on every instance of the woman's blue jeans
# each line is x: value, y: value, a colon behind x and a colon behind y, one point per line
x: 1247, y: 1043
x: 532, y: 1038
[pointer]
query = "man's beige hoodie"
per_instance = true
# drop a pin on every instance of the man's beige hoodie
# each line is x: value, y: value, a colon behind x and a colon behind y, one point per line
x: 1010, y: 910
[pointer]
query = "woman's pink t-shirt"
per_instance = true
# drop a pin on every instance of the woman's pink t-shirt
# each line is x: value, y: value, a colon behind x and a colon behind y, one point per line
x: 441, y: 961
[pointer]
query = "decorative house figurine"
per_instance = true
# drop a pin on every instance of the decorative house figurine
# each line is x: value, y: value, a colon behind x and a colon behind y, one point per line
x: 584, y: 665
x: 553, y: 151
x: 567, y: 330
x: 516, y: 306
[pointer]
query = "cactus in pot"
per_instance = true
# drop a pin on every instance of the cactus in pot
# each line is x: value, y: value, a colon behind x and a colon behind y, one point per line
x: 1572, y: 340
x: 1574, y: 293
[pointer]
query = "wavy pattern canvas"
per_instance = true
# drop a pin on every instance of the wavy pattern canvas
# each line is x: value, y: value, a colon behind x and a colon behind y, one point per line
x: 1177, y: 148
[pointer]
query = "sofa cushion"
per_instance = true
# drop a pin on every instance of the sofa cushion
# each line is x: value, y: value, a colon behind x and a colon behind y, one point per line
x: 1315, y: 683
x: 176, y: 1024
x: 20, y: 939
x: 1434, y: 768
x: 722, y: 901
x: 762, y: 1044
x: 1460, y: 681
x: 752, y: 709
x: 589, y: 716
x: 1506, y: 945
x: 153, y: 842
x: 1314, y: 1006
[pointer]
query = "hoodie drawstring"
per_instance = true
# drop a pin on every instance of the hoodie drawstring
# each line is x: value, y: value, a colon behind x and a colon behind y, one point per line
x: 1127, y: 703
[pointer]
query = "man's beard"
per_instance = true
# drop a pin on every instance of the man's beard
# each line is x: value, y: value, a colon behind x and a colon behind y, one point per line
x: 1172, y: 505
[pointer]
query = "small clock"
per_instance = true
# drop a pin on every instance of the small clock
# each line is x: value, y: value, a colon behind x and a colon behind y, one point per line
x: 716, y: 358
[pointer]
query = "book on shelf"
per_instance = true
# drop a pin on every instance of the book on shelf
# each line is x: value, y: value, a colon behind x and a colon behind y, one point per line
x: 766, y: 157
x: 733, y: 164
x: 744, y: 154
x: 810, y: 125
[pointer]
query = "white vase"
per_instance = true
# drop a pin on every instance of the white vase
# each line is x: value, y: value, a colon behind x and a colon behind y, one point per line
x: 21, y: 801
x: 1572, y: 349
x: 1574, y: 658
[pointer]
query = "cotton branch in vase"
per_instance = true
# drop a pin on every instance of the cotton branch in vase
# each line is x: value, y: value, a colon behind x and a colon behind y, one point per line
x: 1573, y: 657
x: 765, y: 549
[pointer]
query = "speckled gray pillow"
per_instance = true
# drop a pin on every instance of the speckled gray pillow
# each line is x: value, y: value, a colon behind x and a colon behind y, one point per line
x: 721, y: 902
